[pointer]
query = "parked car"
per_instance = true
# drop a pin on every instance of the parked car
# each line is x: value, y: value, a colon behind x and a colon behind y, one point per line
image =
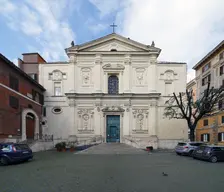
x: 13, y: 152
x: 210, y: 153
x: 187, y: 148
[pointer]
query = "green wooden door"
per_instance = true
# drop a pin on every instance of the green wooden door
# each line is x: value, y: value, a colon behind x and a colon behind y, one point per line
x: 113, y: 128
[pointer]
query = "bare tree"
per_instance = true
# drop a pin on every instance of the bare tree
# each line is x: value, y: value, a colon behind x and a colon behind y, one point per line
x: 182, y: 106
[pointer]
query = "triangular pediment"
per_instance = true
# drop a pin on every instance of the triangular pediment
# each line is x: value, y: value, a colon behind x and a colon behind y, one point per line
x: 112, y: 45
x: 113, y: 42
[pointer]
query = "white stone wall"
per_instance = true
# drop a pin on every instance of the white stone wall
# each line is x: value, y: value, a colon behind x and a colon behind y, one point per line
x: 142, y: 121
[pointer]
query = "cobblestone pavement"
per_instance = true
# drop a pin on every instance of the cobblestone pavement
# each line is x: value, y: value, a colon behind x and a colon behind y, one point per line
x: 65, y: 172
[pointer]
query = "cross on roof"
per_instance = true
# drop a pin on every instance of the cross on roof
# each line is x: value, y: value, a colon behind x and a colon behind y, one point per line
x: 113, y: 25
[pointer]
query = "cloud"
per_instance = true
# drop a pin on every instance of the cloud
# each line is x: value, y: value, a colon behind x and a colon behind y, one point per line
x: 45, y: 21
x: 184, y: 30
x: 94, y: 26
x: 108, y: 7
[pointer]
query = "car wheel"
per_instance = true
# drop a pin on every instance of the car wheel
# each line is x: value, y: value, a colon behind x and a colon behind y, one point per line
x: 213, y: 159
x: 4, y: 161
x: 190, y: 153
x: 178, y: 153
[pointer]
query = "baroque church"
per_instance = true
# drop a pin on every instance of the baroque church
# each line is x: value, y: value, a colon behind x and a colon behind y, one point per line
x: 113, y: 89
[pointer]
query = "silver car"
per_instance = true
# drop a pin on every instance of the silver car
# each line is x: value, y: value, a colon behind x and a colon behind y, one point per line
x: 187, y: 148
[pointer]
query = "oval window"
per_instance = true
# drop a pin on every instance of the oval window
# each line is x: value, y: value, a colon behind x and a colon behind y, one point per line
x: 57, y: 110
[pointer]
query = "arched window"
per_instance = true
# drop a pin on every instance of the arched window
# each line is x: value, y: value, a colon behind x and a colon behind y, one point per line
x: 113, y: 85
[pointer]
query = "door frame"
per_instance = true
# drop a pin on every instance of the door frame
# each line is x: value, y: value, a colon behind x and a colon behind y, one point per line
x: 112, y: 125
x: 105, y: 124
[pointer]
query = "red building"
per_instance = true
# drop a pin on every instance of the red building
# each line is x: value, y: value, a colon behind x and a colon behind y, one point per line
x: 30, y: 64
x: 21, y: 103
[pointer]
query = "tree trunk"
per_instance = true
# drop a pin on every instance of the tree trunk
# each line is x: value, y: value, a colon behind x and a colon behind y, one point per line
x: 192, y: 136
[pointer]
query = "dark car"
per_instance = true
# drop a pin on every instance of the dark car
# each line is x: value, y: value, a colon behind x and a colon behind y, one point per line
x: 13, y: 152
x: 210, y: 153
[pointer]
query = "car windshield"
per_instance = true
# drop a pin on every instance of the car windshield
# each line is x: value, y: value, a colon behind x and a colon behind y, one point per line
x: 21, y: 146
x: 181, y: 144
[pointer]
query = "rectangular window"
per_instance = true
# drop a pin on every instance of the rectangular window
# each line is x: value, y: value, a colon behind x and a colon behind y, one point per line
x: 33, y: 76
x: 206, y: 67
x: 221, y: 137
x: 41, y: 99
x: 64, y: 75
x: 222, y: 119
x: 13, y: 102
x: 205, y: 137
x: 14, y: 83
x: 168, y: 88
x: 205, y: 122
x: 221, y: 70
x: 206, y: 79
x: 220, y: 104
x: 222, y: 83
x: 50, y: 75
x: 221, y: 55
x: 57, y: 89
x: 44, y: 111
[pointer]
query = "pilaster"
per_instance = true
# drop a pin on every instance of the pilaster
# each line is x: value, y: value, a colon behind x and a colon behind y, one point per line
x: 153, y: 118
x: 153, y: 74
x: 98, y: 74
x: 127, y: 74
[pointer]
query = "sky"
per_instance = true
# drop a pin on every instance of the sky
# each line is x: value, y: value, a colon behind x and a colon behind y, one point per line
x: 185, y: 30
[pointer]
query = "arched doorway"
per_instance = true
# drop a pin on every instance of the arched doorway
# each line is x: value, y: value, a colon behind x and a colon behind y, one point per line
x: 30, y: 124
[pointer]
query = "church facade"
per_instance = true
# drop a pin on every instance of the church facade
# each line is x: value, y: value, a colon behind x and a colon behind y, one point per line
x: 113, y: 89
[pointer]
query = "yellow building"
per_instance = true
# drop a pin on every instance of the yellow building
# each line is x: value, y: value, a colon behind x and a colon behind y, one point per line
x: 211, y: 69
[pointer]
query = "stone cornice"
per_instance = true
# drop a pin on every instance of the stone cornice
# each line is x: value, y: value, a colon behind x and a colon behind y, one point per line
x: 111, y: 53
x: 119, y: 96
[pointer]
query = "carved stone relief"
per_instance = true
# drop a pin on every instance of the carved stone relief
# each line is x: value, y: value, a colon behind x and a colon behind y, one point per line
x: 71, y: 102
x: 86, y: 120
x: 113, y: 67
x: 169, y: 75
x: 140, y: 76
x: 140, y: 120
x: 57, y: 76
x: 113, y: 109
x: 86, y: 76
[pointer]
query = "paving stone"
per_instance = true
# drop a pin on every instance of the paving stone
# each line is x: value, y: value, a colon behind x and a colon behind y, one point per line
x: 112, y: 148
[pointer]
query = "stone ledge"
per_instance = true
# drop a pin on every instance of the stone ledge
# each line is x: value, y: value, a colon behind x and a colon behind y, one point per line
x: 85, y: 131
x: 139, y: 131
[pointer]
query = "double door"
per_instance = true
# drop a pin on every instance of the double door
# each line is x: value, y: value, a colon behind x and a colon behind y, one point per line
x: 113, y: 128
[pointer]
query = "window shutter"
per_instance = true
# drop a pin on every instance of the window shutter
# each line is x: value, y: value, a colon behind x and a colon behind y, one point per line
x: 44, y: 111
x: 219, y: 136
x: 202, y: 137
x: 13, y: 102
x: 208, y: 135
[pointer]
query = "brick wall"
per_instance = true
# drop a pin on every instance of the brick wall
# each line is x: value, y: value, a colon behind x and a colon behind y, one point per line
x: 11, y: 118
